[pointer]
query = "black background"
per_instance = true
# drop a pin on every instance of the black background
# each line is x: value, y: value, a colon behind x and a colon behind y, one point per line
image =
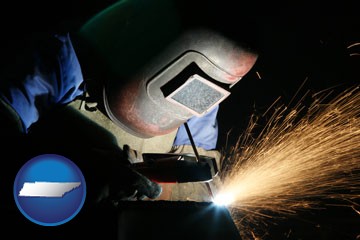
x: 296, y: 41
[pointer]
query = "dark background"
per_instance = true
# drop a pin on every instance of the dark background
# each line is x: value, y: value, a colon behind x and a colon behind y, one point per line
x: 295, y: 41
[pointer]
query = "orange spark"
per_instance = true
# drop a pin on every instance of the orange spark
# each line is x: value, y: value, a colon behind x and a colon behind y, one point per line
x: 295, y: 162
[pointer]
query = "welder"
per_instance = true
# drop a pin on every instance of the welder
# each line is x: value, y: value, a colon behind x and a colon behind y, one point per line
x: 148, y: 72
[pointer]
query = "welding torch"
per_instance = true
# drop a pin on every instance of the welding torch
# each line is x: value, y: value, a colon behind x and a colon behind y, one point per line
x: 178, y: 168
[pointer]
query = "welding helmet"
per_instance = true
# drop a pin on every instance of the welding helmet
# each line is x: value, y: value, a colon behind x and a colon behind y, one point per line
x: 162, y: 72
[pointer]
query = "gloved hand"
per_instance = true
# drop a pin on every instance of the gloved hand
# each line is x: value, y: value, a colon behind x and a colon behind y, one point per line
x: 121, y: 182
x: 128, y: 184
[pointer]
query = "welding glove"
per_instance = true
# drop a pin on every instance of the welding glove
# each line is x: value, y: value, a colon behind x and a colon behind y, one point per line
x: 122, y: 183
x: 127, y: 184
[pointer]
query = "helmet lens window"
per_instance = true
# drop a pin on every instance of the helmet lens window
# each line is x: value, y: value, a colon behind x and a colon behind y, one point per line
x: 198, y: 95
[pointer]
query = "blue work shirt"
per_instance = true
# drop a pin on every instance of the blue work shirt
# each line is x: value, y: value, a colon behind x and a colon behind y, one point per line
x: 48, y: 76
x: 204, y: 131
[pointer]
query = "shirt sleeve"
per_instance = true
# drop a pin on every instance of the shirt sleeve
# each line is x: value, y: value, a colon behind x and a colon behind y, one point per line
x: 43, y: 77
x: 204, y: 131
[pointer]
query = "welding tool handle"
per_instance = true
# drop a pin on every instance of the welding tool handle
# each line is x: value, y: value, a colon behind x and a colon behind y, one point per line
x: 175, y: 171
x: 192, y: 141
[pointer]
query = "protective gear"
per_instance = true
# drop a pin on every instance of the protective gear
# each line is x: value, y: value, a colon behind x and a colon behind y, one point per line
x: 121, y: 182
x: 128, y: 184
x: 162, y: 74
